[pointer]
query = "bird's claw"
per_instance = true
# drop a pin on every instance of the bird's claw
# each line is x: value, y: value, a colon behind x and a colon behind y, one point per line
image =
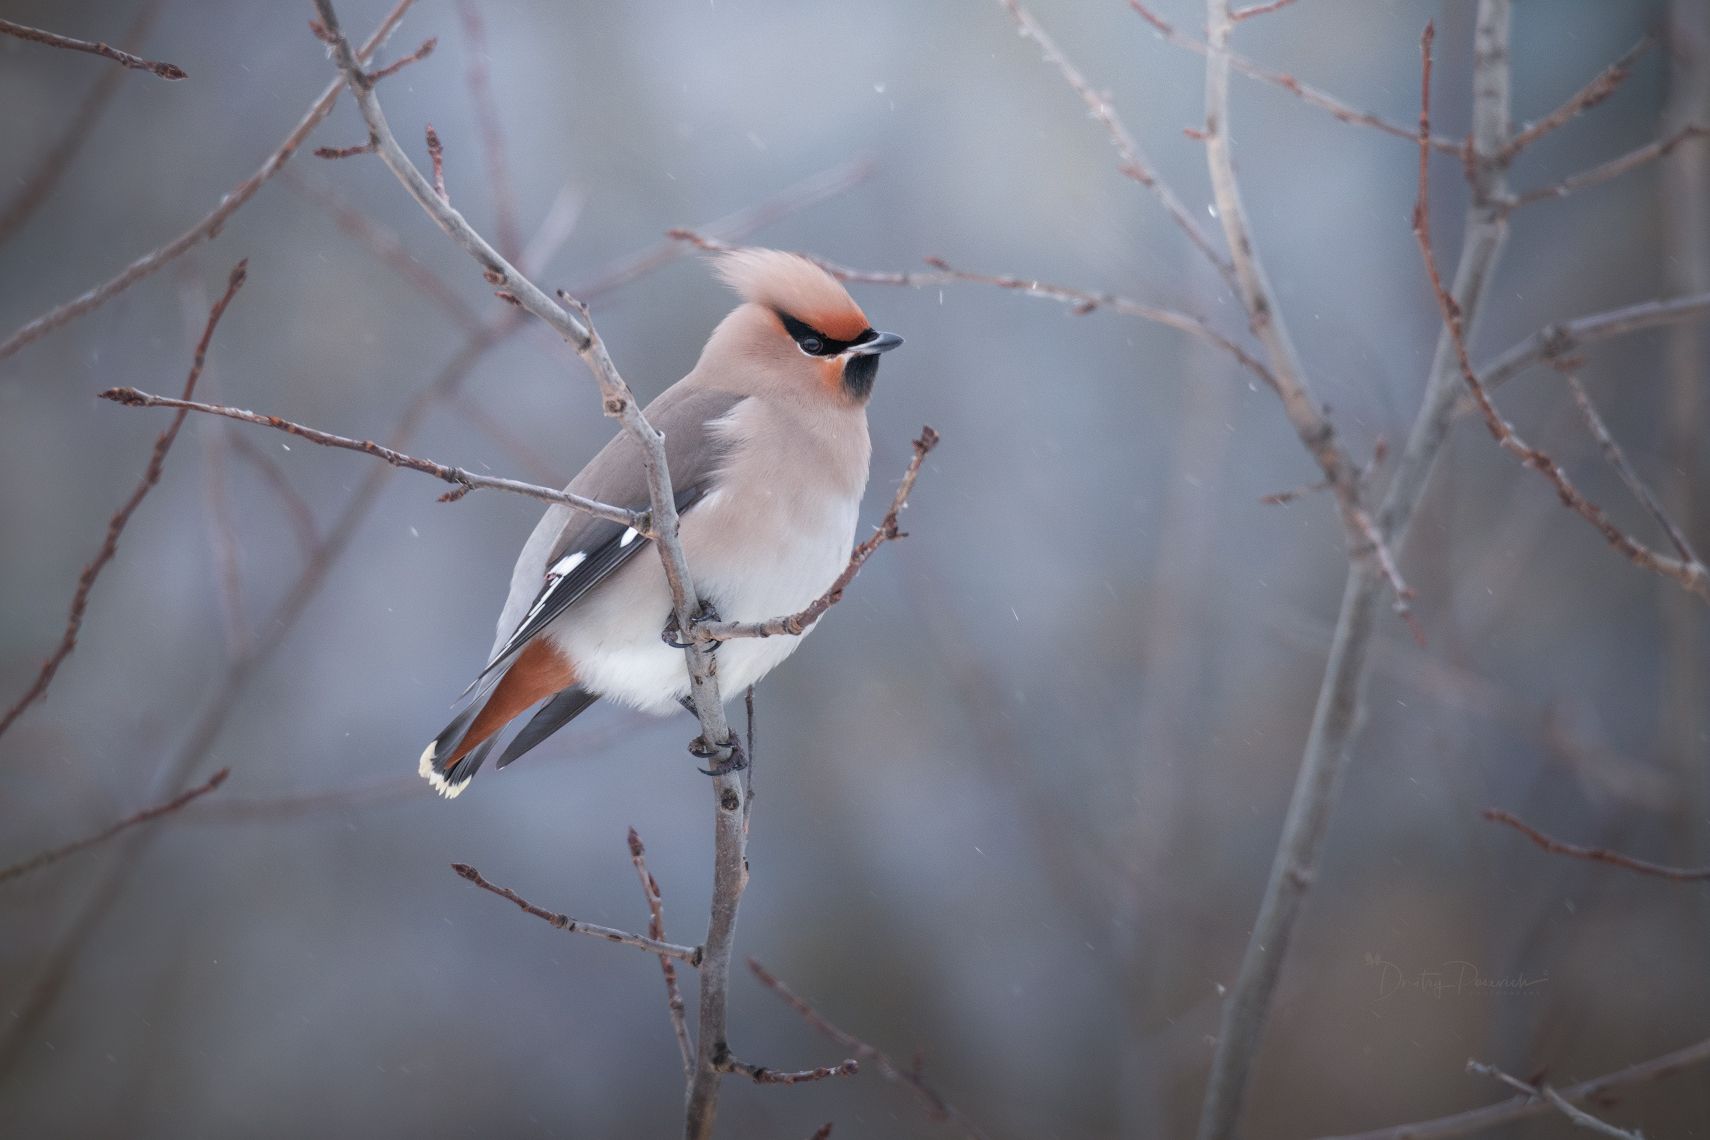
x: 736, y: 761
x: 672, y: 633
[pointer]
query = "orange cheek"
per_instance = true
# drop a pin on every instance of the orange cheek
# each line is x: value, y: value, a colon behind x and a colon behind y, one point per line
x: 831, y: 375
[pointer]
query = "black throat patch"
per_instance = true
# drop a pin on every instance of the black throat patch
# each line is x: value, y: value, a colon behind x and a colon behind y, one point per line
x: 859, y: 372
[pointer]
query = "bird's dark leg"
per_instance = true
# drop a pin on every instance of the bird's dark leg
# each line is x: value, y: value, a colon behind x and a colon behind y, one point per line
x: 672, y: 633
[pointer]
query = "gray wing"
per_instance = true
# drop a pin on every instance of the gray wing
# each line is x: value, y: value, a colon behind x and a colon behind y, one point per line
x: 571, y: 552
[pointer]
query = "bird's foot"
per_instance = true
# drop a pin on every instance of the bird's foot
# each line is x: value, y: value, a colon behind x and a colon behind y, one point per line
x: 672, y: 634
x: 736, y: 761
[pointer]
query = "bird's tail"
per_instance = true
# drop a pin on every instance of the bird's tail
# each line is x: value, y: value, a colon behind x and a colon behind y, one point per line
x: 452, y: 758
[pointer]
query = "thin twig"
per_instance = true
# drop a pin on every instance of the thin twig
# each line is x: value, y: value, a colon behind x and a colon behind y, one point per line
x: 398, y: 65
x: 46, y: 858
x: 1239, y: 14
x: 1596, y: 854
x: 1565, y: 339
x: 1307, y: 94
x: 1600, y: 88
x: 761, y: 1075
x: 1134, y: 162
x: 78, y: 130
x: 937, y: 1108
x: 1614, y: 168
x: 1691, y: 575
x: 793, y: 625
x: 656, y: 930
x: 1554, y: 1099
x: 106, y: 51
x: 212, y: 222
x: 1618, y: 460
x: 436, y: 156
x: 1080, y: 301
x: 688, y: 954
x: 116, y: 525
x: 463, y: 481
x: 1597, y: 1089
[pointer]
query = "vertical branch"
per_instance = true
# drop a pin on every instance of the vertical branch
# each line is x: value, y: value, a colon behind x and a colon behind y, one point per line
x: 1336, y: 714
x: 1685, y: 205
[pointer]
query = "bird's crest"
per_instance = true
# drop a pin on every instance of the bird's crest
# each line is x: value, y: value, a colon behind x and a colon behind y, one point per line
x: 789, y: 283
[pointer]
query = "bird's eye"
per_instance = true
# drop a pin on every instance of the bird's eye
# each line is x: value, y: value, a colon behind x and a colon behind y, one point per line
x: 812, y: 345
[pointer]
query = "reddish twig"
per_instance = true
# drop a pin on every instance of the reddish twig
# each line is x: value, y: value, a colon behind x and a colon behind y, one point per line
x: 1691, y: 575
x: 492, y: 134
x: 1307, y: 94
x: 1134, y: 163
x: 689, y: 954
x: 46, y: 858
x: 436, y: 156
x: 793, y: 625
x: 347, y: 151
x: 35, y: 188
x: 1596, y: 854
x: 398, y: 65
x: 116, y: 525
x: 1239, y: 14
x: 1581, y: 101
x: 463, y: 481
x: 656, y: 930
x: 937, y: 1108
x: 210, y: 225
x: 823, y: 1132
x: 106, y: 51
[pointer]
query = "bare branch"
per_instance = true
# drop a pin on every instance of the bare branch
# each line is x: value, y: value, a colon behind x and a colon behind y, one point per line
x: 656, y: 930
x: 1612, y: 169
x: 1618, y: 460
x: 688, y: 954
x: 436, y: 156
x: 794, y: 625
x: 35, y: 188
x: 937, y: 1108
x: 1337, y: 712
x: 1600, y: 88
x: 1524, y: 1107
x: 1134, y: 163
x: 147, y: 815
x: 730, y: 872
x: 398, y: 65
x: 1554, y: 1099
x: 1560, y: 341
x: 1239, y: 14
x: 761, y: 1075
x: 464, y: 481
x: 1689, y: 573
x: 210, y: 224
x: 1080, y: 301
x: 1596, y: 854
x: 116, y: 525
x: 1307, y: 94
x: 122, y: 58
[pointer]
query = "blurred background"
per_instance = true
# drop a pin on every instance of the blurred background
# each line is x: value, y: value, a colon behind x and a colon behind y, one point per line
x: 1018, y: 795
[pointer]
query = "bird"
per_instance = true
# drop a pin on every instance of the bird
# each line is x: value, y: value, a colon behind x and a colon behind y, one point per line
x: 767, y: 445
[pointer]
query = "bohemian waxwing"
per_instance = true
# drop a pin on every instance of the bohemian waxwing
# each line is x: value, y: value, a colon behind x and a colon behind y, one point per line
x: 767, y: 444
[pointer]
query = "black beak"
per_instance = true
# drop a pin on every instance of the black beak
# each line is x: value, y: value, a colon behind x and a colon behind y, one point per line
x: 884, y: 342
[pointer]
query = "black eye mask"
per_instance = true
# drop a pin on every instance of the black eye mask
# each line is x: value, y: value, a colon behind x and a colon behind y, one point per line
x: 815, y: 343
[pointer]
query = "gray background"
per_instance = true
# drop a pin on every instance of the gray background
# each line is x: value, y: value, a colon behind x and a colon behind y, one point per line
x: 1018, y: 797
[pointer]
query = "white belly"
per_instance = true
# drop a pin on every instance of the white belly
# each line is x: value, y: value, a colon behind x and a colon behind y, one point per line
x: 754, y: 557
